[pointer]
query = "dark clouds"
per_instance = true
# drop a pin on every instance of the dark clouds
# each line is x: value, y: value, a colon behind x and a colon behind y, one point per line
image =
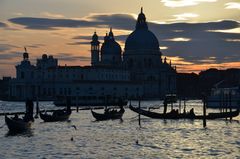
x: 70, y: 57
x: 35, y: 45
x: 9, y: 56
x: 3, y: 25
x: 104, y: 20
x: 6, y: 47
x: 204, y: 42
x: 79, y: 43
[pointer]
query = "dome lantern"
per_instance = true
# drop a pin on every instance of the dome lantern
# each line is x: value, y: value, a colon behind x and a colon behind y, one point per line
x: 141, y: 21
x: 111, y: 36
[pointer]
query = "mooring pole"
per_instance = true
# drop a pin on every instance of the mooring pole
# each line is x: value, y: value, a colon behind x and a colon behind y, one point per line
x: 139, y: 116
x: 204, y: 112
x: 230, y: 103
x: 180, y: 107
x: 77, y: 103
x: 184, y: 107
x: 37, y: 108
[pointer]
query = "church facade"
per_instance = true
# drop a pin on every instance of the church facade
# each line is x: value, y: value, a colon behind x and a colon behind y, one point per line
x: 137, y: 71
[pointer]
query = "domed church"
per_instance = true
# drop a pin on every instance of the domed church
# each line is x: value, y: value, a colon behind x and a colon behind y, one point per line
x: 137, y: 71
x: 141, y: 56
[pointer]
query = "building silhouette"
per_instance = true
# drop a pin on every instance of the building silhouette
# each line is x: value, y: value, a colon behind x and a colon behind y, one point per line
x: 137, y: 71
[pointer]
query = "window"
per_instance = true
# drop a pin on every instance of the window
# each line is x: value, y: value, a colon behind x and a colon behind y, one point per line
x: 22, y: 75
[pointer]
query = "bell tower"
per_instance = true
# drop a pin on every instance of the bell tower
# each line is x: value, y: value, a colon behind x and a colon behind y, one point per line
x: 94, y: 50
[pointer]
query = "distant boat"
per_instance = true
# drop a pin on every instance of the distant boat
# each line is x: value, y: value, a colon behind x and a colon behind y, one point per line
x: 190, y: 115
x: 17, y: 125
x: 224, y: 97
x: 57, y: 115
x: 88, y: 101
x: 111, y: 114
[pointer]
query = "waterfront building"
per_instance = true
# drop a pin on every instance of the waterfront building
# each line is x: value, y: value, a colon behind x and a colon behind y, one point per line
x: 137, y: 71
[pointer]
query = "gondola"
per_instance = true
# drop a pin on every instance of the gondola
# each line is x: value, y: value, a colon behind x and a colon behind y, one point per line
x: 108, y: 114
x: 190, y: 115
x: 17, y: 125
x: 57, y: 115
x: 219, y: 115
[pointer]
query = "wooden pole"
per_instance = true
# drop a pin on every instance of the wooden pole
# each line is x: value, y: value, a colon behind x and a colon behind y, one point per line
x: 180, y: 105
x: 230, y: 103
x: 204, y: 112
x: 139, y: 116
x: 184, y: 108
x: 77, y: 103
x: 37, y: 109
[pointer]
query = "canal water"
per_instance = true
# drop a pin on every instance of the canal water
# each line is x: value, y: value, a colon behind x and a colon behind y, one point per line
x: 121, y: 139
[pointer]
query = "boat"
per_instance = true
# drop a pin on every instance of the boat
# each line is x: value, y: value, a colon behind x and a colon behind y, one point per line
x: 220, y: 115
x: 89, y: 101
x: 17, y: 124
x: 109, y: 114
x: 223, y: 96
x: 170, y: 115
x: 57, y: 115
x: 189, y: 115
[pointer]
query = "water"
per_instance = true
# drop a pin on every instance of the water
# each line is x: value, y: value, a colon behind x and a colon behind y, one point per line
x: 116, y: 139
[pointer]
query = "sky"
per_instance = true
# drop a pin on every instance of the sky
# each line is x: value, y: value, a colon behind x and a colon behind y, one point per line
x: 194, y: 34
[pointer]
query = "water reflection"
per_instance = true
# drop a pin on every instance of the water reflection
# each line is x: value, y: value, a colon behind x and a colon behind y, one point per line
x: 27, y: 133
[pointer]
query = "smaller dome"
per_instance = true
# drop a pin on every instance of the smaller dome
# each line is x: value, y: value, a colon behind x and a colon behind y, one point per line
x: 111, y: 47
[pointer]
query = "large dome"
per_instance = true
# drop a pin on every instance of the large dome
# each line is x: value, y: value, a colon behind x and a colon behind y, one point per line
x: 141, y: 39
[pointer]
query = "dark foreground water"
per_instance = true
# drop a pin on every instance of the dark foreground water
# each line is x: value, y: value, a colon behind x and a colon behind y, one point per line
x: 116, y: 139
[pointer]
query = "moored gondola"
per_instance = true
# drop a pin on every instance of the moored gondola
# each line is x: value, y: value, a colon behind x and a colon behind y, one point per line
x: 17, y: 124
x: 109, y: 114
x: 58, y: 115
x: 190, y: 115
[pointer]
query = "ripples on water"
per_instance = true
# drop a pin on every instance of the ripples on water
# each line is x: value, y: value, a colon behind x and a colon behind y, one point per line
x: 116, y: 139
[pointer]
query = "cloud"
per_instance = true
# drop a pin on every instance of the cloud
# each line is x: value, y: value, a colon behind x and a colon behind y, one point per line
x: 121, y: 38
x: 3, y: 25
x: 70, y: 57
x: 35, y: 45
x: 185, y: 16
x: 79, y: 43
x: 232, y: 5
x: 6, y: 47
x: 17, y: 13
x: 183, y: 3
x: 8, y: 56
x: 52, y: 15
x: 98, y: 21
x: 178, y: 39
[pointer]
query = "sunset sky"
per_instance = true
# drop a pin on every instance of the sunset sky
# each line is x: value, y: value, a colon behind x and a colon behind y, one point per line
x: 194, y: 34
